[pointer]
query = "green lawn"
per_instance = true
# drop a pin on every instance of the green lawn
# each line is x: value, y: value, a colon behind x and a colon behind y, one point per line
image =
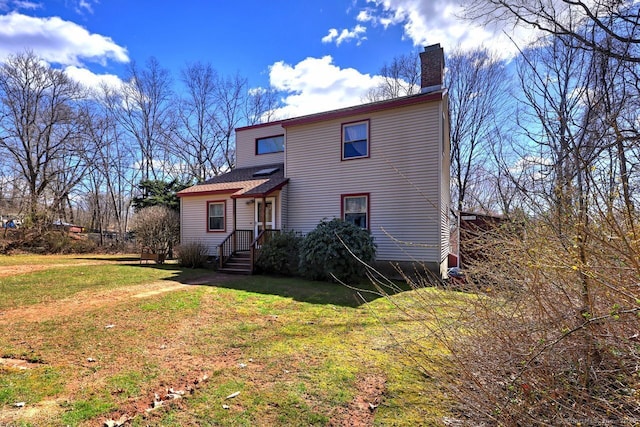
x: 299, y: 352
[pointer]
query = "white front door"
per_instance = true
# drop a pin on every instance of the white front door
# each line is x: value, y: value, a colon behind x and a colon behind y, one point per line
x: 269, y: 222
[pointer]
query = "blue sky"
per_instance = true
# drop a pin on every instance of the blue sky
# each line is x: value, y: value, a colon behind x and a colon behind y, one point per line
x: 320, y: 54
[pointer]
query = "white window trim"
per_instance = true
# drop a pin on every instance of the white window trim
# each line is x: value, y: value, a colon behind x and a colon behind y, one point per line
x: 343, y: 140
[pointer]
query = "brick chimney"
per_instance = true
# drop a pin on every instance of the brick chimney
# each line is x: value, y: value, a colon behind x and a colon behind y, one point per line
x: 432, y: 68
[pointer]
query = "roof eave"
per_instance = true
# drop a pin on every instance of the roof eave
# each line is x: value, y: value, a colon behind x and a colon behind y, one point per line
x: 258, y: 195
x: 366, y: 108
x: 207, y: 192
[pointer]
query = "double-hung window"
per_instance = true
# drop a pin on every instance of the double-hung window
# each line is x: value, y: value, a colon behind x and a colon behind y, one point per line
x: 270, y: 144
x: 355, y: 140
x: 215, y: 216
x: 355, y: 209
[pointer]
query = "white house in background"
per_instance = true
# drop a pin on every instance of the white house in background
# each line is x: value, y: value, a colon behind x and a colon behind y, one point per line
x: 383, y: 166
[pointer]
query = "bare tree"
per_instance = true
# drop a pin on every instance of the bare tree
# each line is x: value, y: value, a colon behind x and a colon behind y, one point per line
x: 38, y: 126
x: 589, y: 25
x: 144, y: 108
x: 200, y: 145
x: 157, y: 227
x: 209, y: 111
x: 230, y: 94
x: 566, y: 262
x: 476, y: 83
x: 261, y: 105
x: 613, y: 98
x: 111, y: 180
x: 399, y: 78
x: 553, y: 86
x: 72, y: 167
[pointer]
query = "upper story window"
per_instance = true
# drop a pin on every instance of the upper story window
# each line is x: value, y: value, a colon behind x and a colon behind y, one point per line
x: 355, y: 209
x: 270, y: 144
x: 215, y: 216
x: 355, y: 140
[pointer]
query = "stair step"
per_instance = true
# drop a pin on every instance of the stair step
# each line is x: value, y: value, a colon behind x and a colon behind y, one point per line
x: 243, y: 255
x: 237, y: 265
x: 235, y: 270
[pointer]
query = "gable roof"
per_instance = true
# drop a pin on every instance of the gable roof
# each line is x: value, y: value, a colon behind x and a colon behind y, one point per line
x: 386, y: 104
x: 256, y: 181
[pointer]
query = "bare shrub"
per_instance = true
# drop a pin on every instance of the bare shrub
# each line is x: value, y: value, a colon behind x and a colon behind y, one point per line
x: 549, y: 332
x: 553, y: 330
x: 192, y: 255
x: 158, y: 228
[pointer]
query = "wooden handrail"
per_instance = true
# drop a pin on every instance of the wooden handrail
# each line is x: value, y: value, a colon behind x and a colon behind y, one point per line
x: 237, y: 241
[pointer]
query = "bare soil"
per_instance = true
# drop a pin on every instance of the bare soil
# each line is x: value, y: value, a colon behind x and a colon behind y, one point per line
x: 91, y: 300
x: 17, y: 363
x: 12, y: 270
x: 361, y: 410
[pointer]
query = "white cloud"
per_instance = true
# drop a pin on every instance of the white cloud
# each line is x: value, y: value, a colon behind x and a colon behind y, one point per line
x: 439, y: 21
x: 84, y: 6
x: 365, y: 16
x: 316, y: 84
x: 26, y: 5
x: 56, y: 40
x: 357, y: 34
x: 91, y: 80
x: 333, y: 33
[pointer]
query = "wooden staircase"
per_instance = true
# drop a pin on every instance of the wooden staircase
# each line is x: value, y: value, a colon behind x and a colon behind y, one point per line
x: 238, y: 263
x: 238, y: 252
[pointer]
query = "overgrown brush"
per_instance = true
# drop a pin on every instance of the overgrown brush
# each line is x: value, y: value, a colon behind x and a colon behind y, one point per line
x: 47, y: 242
x: 555, y: 336
x: 549, y: 334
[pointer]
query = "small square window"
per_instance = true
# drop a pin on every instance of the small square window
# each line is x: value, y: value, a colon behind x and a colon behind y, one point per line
x: 271, y: 144
x: 355, y: 140
x: 215, y: 216
x: 355, y: 209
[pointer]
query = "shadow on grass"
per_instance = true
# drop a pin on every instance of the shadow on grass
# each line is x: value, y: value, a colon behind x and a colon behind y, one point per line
x: 116, y: 258
x: 304, y: 290
x: 288, y: 287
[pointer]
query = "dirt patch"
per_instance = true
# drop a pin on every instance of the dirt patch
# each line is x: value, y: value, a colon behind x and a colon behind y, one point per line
x: 163, y: 397
x: 31, y: 412
x: 17, y: 363
x: 85, y: 301
x: 361, y: 410
x: 14, y: 270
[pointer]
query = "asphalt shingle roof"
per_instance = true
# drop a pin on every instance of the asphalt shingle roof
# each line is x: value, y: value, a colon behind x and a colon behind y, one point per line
x: 242, y: 182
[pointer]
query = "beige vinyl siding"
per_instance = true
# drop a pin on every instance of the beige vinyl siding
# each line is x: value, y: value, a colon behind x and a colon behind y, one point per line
x: 402, y: 177
x: 193, y: 218
x: 193, y: 221
x: 445, y: 184
x: 245, y: 214
x: 284, y: 197
x: 246, y: 146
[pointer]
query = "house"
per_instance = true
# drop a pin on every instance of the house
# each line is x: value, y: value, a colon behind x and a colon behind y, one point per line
x: 383, y: 166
